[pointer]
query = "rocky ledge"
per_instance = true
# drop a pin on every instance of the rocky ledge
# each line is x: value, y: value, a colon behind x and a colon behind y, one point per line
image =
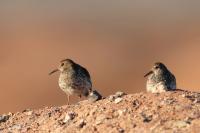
x: 177, y: 111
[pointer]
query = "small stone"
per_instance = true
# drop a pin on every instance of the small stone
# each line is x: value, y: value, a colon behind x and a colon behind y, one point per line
x: 82, y: 123
x: 196, y: 100
x: 93, y: 111
x: 70, y: 116
x: 183, y: 95
x: 111, y: 98
x: 26, y: 110
x: 146, y: 118
x: 122, y: 112
x: 29, y: 113
x: 49, y: 114
x: 10, y: 114
x: 118, y: 100
x: 120, y: 94
x: 56, y: 109
x: 180, y: 124
x: 121, y: 130
x: 100, y: 119
x: 167, y: 101
x: 16, y: 127
x: 188, y: 120
x: 4, y: 118
x: 136, y: 103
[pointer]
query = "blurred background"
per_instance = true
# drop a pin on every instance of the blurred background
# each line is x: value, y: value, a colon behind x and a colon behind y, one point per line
x: 117, y: 41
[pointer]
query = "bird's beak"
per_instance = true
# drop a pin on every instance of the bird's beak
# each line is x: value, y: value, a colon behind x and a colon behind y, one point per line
x: 53, y: 71
x: 148, y: 73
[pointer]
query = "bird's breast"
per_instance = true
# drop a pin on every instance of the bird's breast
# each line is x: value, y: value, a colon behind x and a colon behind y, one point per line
x: 65, y: 80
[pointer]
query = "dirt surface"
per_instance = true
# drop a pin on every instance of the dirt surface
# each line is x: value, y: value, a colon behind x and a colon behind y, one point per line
x: 177, y: 111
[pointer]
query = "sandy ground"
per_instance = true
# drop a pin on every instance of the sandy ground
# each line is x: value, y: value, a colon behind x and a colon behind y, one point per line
x: 177, y: 111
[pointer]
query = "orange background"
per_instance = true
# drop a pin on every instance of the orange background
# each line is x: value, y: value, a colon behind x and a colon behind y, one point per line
x: 117, y: 41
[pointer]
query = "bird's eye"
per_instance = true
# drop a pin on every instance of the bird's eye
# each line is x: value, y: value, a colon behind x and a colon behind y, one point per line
x: 156, y: 67
x: 62, y: 64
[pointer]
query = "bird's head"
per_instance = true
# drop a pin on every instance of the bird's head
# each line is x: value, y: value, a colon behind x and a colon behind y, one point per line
x: 64, y: 65
x: 157, y: 68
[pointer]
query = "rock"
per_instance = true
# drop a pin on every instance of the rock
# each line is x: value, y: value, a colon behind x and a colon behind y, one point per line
x: 93, y: 111
x: 121, y: 130
x: 111, y: 98
x: 167, y: 112
x: 68, y: 117
x: 10, y: 114
x: 179, y: 124
x: 100, y: 119
x: 56, y: 109
x: 120, y: 94
x: 188, y: 120
x: 26, y: 110
x: 118, y: 100
x: 82, y: 123
x: 146, y: 118
x: 4, y: 118
x: 16, y: 127
x: 168, y: 101
x: 29, y: 113
x: 183, y: 95
x: 117, y: 95
x: 136, y: 103
x: 94, y: 96
x: 122, y: 112
x: 196, y: 100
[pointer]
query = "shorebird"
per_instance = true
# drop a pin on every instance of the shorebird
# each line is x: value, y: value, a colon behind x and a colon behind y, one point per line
x: 74, y: 79
x: 160, y: 79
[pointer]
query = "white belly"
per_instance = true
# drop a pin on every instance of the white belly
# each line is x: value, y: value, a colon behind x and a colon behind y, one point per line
x: 156, y: 88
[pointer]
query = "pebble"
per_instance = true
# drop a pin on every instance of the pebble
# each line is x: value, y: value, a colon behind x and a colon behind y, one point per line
x: 121, y: 130
x: 82, y: 123
x: 146, y: 118
x: 93, y: 111
x: 56, y: 109
x: 167, y: 101
x: 4, y: 118
x: 136, y: 103
x: 118, y: 100
x: 179, y: 124
x: 68, y: 117
x: 29, y: 113
x: 111, y: 98
x: 100, y: 119
x: 183, y: 95
x: 117, y: 95
x: 122, y: 112
x: 26, y: 110
x: 196, y: 100
x: 16, y: 127
x: 120, y: 94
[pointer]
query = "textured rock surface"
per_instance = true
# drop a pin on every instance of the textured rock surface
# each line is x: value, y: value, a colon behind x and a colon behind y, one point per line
x: 177, y: 111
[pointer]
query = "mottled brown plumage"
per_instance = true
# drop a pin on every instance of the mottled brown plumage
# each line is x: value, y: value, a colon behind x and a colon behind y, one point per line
x: 160, y: 79
x: 74, y: 79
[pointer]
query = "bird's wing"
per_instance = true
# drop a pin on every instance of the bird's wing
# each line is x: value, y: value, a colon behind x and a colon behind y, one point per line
x: 82, y: 73
x: 173, y: 82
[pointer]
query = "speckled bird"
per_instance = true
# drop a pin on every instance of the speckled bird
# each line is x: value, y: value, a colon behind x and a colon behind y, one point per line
x: 160, y: 79
x: 74, y: 79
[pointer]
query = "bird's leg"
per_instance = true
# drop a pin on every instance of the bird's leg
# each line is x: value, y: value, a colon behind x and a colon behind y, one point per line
x: 80, y: 96
x: 68, y: 99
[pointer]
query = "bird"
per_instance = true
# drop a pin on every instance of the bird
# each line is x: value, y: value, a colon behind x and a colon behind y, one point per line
x: 160, y: 79
x: 74, y: 79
